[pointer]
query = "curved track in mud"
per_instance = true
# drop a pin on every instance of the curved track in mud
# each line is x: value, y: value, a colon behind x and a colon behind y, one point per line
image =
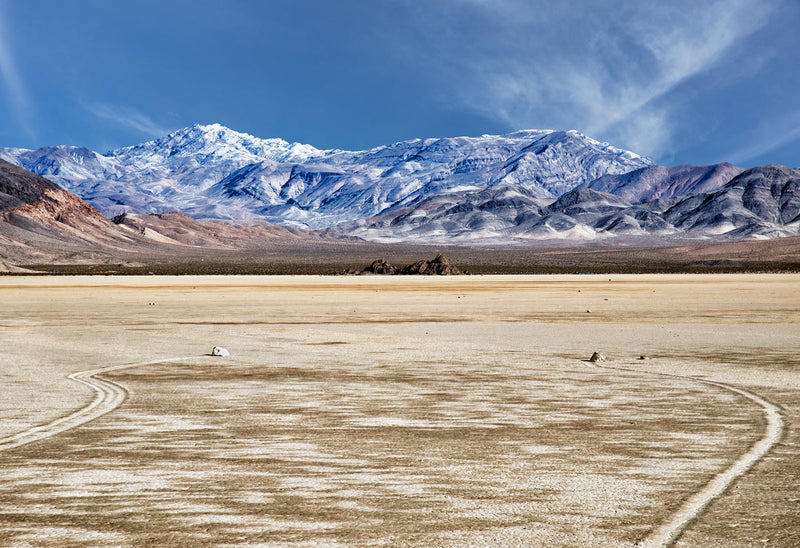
x: 108, y: 396
x: 670, y: 530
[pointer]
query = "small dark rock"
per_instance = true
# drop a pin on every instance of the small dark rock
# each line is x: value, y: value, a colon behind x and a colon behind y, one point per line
x: 597, y: 357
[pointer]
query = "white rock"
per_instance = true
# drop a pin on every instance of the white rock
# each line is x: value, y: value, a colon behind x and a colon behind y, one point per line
x: 219, y: 351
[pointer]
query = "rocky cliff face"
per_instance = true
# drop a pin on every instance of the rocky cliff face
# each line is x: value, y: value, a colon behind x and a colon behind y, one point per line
x: 27, y: 200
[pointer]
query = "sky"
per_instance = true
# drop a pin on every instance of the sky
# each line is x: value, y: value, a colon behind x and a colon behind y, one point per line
x: 694, y: 82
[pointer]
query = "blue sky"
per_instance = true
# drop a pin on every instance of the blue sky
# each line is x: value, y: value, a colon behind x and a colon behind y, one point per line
x: 688, y: 82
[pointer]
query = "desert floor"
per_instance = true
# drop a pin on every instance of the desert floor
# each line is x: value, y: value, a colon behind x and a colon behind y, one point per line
x: 357, y: 411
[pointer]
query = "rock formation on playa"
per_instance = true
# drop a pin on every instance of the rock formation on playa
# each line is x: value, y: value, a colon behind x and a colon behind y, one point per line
x: 381, y: 266
x: 439, y: 266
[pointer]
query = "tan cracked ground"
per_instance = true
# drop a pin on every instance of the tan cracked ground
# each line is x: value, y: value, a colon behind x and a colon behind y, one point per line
x: 417, y: 412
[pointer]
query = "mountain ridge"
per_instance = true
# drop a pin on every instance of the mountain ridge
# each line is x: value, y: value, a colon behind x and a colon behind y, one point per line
x: 190, y: 169
x: 519, y: 187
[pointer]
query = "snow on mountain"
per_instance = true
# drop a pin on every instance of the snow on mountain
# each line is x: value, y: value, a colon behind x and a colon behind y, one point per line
x: 530, y: 184
x: 212, y: 171
x: 340, y: 186
x: 207, y: 149
x: 170, y: 173
x: 66, y: 165
x: 762, y: 202
x: 561, y: 160
x: 510, y: 213
x: 665, y: 183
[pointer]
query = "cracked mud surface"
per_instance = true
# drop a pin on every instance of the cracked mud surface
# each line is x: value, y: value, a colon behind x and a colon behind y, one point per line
x: 422, y: 413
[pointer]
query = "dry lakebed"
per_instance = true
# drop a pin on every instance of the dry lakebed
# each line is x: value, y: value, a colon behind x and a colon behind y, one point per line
x: 400, y: 411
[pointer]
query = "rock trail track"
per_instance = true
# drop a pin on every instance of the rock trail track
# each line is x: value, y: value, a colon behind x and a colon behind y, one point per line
x: 671, y: 529
x: 110, y: 395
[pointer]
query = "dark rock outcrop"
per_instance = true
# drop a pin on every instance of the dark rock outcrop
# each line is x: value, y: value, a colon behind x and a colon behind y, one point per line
x: 379, y: 267
x: 439, y: 266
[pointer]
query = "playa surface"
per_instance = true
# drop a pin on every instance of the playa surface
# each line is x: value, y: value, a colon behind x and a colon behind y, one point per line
x: 398, y: 410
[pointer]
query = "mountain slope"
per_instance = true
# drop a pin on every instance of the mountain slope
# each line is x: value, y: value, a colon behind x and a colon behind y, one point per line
x: 664, y: 183
x: 523, y: 186
x: 177, y: 229
x: 762, y: 202
x: 457, y: 217
x: 349, y: 185
x: 41, y: 223
x: 212, y: 171
x: 32, y: 203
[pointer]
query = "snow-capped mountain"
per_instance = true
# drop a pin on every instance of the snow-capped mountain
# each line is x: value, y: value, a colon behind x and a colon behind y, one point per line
x: 762, y: 202
x: 166, y: 174
x: 531, y: 184
x: 212, y: 171
x: 39, y: 221
x: 665, y: 183
x: 342, y: 186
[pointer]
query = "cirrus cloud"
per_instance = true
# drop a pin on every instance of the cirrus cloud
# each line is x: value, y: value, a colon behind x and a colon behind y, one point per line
x: 607, y: 71
x: 127, y: 117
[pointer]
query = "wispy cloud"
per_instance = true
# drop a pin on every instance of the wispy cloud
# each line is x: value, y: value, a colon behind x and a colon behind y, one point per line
x: 768, y: 138
x: 608, y: 72
x: 12, y: 83
x: 127, y: 117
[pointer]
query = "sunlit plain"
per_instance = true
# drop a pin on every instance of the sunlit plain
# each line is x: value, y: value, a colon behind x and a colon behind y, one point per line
x: 398, y: 411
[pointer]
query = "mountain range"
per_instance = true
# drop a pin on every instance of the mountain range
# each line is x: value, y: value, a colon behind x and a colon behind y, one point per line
x: 41, y: 223
x: 527, y: 185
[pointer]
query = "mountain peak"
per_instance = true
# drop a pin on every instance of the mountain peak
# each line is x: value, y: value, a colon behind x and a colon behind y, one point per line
x: 219, y: 141
x: 527, y: 133
x: 193, y: 167
x: 217, y: 133
x: 452, y: 188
